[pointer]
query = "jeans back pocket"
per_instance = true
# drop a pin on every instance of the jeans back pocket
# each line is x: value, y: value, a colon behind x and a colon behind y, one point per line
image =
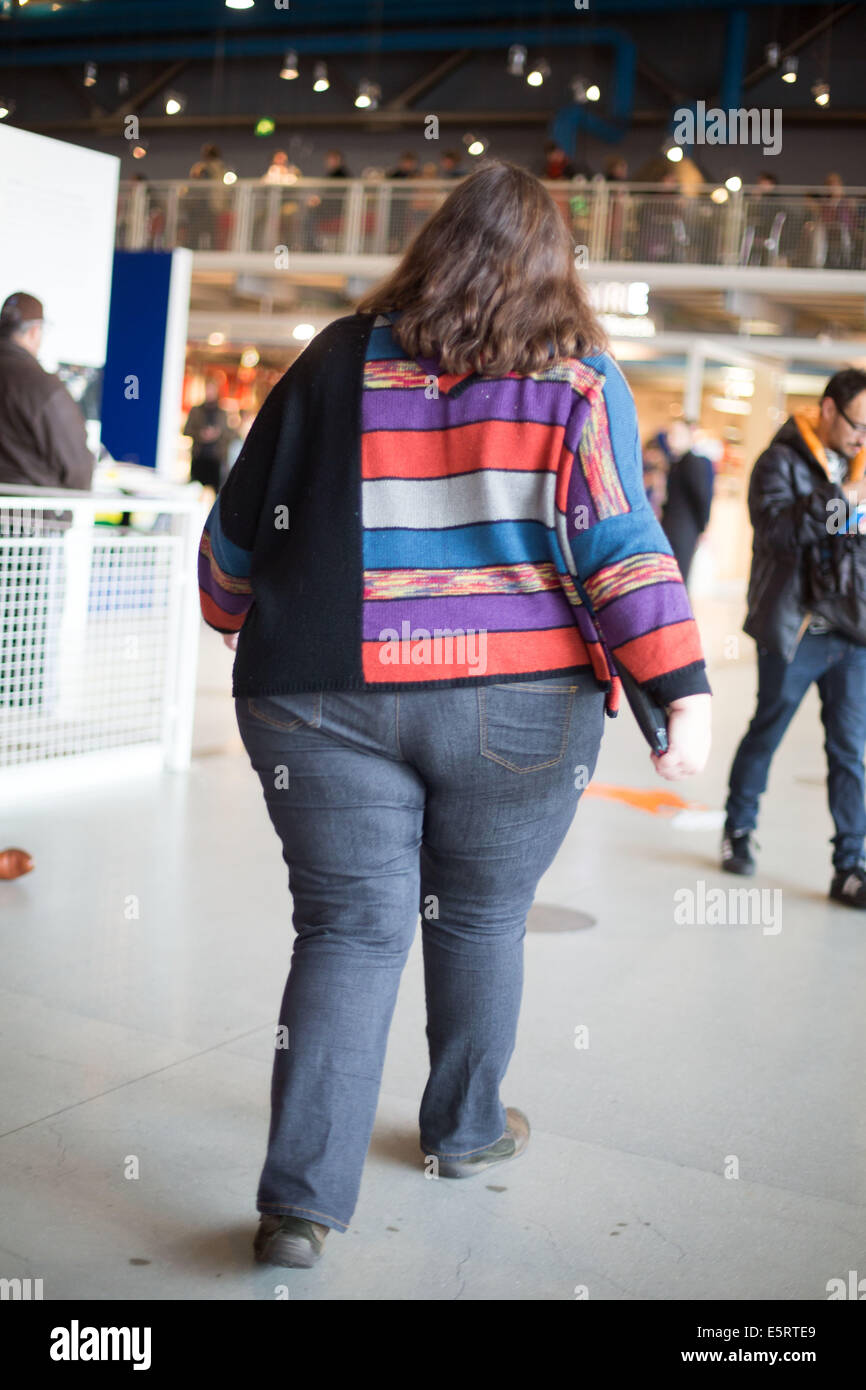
x: 524, y: 725
x: 287, y: 712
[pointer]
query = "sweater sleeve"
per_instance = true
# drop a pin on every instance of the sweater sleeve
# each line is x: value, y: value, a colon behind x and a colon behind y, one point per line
x: 226, y: 549
x: 618, y: 554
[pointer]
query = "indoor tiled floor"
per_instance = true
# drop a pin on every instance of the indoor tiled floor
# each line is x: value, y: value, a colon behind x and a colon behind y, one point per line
x: 707, y: 1143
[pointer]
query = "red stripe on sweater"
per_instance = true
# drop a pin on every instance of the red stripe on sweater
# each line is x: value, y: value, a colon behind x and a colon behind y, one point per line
x: 524, y: 445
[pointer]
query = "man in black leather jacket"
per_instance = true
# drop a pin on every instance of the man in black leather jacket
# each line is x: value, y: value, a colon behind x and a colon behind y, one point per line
x: 807, y: 614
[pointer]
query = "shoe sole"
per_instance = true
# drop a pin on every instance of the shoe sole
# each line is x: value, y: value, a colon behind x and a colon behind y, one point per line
x: 518, y: 1127
x: 289, y: 1252
x: 744, y: 870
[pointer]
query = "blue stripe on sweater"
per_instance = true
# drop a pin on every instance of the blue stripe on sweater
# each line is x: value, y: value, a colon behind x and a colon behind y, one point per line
x: 460, y: 547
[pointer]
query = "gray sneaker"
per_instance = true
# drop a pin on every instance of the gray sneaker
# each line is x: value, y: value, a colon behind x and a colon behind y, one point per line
x: 289, y: 1241
x: 511, y: 1144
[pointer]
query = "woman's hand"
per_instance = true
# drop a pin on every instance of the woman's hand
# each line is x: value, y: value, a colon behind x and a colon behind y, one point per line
x: 689, y: 738
x: 231, y: 640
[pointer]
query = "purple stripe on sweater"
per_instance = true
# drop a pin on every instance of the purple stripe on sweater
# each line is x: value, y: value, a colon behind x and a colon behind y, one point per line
x: 547, y: 402
x: 476, y: 613
x: 653, y: 606
x: 228, y: 602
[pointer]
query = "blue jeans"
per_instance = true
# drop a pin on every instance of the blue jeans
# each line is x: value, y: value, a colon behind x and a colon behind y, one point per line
x: 453, y: 802
x: 839, y: 668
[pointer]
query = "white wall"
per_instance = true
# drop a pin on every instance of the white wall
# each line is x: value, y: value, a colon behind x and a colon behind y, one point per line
x: 57, y: 218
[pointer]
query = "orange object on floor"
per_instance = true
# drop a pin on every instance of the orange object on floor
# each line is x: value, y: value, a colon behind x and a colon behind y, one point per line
x: 14, y: 863
x: 657, y: 803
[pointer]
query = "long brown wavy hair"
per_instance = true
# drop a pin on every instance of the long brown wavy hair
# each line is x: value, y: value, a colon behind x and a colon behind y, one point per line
x: 488, y: 284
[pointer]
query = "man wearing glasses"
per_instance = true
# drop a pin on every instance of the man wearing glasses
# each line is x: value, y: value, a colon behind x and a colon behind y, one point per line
x: 807, y: 614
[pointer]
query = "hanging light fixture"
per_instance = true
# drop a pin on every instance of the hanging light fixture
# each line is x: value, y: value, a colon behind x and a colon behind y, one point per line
x: 772, y: 53
x: 789, y: 69
x: 90, y: 74
x: 174, y: 103
x: 516, y: 60
x: 320, y: 77
x: 593, y: 92
x: 821, y: 93
x: 672, y: 151
x: 7, y: 106
x: 733, y: 183
x: 289, y: 70
x: 538, y: 73
x: 578, y: 90
x: 368, y: 95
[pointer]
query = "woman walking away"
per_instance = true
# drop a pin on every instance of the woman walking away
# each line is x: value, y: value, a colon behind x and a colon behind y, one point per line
x: 434, y: 537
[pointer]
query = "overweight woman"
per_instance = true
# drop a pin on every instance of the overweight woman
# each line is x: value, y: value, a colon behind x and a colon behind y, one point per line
x: 432, y: 544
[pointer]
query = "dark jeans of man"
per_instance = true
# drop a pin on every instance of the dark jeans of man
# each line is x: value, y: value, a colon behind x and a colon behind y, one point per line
x: 838, y: 666
x: 454, y: 801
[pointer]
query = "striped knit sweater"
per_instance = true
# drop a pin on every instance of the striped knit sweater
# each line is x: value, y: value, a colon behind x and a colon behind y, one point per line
x: 480, y: 529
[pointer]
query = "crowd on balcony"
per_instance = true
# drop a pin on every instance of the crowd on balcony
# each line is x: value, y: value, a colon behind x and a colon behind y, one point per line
x: 660, y: 220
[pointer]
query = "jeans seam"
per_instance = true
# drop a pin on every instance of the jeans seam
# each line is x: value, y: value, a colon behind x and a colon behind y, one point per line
x: 316, y: 723
x: 397, y: 722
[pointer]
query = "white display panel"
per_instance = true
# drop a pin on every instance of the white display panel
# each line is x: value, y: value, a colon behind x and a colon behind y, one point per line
x: 57, y: 228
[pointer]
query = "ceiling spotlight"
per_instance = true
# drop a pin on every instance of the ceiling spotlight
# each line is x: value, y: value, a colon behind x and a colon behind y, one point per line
x: 516, y: 60
x: 230, y: 176
x: 90, y: 74
x: 821, y: 93
x: 789, y: 69
x: 7, y: 106
x: 593, y: 92
x: 174, y: 103
x: 289, y: 70
x: 368, y: 95
x: 320, y: 77
x: 734, y: 183
x: 772, y: 54
x: 673, y: 151
x: 475, y: 144
x: 578, y: 90
x: 537, y: 75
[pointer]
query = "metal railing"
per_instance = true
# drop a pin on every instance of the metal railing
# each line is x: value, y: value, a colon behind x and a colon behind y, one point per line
x: 793, y: 226
x: 98, y: 628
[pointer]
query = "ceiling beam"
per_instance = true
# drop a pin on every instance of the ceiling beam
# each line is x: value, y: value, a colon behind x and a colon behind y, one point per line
x: 430, y: 79
x: 806, y: 38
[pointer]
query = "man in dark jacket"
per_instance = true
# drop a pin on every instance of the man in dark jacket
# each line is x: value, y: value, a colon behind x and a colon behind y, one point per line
x: 807, y: 613
x: 42, y: 436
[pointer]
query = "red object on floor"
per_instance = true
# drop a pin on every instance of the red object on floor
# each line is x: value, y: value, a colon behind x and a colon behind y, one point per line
x: 14, y: 863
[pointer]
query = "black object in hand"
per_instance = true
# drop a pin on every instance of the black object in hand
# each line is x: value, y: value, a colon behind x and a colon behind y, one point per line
x: 651, y: 718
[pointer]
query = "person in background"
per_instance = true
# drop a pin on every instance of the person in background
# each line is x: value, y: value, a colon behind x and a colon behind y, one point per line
x: 335, y: 166
x: 280, y: 170
x: 213, y: 231
x: 401, y: 767
x: 686, y: 511
x: 406, y: 167
x: 43, y: 441
x: 620, y: 213
x: 659, y: 453
x: 557, y: 164
x: 210, y: 165
x: 449, y: 165
x: 207, y: 426
x: 807, y: 614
